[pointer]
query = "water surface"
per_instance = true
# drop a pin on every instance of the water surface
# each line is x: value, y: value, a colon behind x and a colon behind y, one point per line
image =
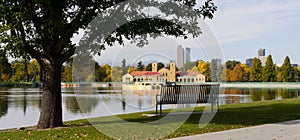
x: 21, y: 106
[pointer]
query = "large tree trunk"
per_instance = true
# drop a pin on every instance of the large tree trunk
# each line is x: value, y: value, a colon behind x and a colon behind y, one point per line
x: 51, y: 111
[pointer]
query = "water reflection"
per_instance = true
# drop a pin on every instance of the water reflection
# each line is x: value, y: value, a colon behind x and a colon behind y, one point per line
x: 87, y: 104
x: 3, y: 106
x: 256, y: 95
x: 21, y: 107
x: 234, y: 95
x: 288, y: 93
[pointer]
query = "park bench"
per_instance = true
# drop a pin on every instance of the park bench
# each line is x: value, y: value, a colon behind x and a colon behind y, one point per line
x: 188, y: 94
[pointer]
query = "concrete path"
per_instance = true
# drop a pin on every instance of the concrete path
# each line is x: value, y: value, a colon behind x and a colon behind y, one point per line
x: 279, y: 131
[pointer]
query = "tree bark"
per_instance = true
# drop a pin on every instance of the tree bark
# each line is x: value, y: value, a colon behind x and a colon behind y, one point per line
x: 51, y: 110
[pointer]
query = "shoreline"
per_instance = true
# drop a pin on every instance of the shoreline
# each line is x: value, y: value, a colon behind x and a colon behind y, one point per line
x: 246, y: 118
x: 294, y: 85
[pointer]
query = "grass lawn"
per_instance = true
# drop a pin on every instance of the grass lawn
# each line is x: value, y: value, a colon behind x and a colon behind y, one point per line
x: 230, y: 117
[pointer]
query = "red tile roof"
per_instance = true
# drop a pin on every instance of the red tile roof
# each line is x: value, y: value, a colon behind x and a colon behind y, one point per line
x: 150, y: 73
x: 144, y: 73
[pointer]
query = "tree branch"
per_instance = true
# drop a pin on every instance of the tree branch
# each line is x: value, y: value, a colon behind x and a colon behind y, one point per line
x: 30, y: 8
x: 66, y: 55
x: 83, y: 18
x: 24, y: 44
x: 69, y: 30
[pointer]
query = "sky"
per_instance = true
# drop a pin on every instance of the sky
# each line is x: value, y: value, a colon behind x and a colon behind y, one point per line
x: 245, y: 26
x: 238, y: 30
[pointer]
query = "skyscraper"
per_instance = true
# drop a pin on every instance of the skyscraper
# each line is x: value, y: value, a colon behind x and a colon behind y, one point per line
x: 217, y: 60
x: 187, y: 54
x: 262, y: 56
x: 180, y: 56
x: 249, y: 62
x: 261, y: 52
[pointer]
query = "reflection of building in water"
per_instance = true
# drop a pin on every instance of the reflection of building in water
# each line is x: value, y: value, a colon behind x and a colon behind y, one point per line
x: 139, y: 99
x: 158, y: 77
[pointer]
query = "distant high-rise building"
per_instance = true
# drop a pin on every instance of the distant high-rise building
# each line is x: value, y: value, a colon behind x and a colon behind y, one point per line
x: 249, y: 62
x: 217, y: 60
x: 261, y: 52
x: 294, y: 65
x: 187, y: 55
x: 262, y: 56
x: 180, y: 56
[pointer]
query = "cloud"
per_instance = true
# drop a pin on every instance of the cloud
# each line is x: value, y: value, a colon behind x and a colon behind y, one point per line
x: 238, y: 20
x: 161, y: 50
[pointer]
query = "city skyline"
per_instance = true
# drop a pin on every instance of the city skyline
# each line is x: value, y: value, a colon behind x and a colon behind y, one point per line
x: 180, y: 56
x: 183, y: 56
x: 245, y: 26
x: 241, y: 28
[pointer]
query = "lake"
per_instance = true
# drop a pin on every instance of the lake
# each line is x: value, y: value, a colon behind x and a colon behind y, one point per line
x: 21, y: 106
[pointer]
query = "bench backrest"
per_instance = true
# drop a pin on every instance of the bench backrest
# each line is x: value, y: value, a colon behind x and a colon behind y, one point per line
x: 173, y: 94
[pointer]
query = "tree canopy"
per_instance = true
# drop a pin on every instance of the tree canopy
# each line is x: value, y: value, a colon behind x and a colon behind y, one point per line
x: 269, y: 71
x: 255, y: 70
x: 230, y: 64
x: 5, y: 68
x: 44, y: 28
x: 286, y: 70
x: 160, y: 65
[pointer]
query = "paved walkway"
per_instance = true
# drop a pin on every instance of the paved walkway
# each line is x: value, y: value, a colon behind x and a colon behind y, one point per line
x: 279, y: 131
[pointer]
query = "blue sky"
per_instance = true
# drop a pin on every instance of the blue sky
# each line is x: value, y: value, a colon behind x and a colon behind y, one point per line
x: 239, y: 29
x: 244, y: 26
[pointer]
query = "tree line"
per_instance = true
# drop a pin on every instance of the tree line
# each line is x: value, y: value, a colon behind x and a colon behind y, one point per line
x: 29, y: 71
x: 231, y: 71
x: 19, y: 70
x: 235, y: 71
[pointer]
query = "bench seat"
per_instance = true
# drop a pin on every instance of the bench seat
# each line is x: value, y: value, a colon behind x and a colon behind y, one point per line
x: 188, y: 94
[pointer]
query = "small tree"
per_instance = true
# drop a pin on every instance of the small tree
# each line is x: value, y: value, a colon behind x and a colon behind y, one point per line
x: 269, y: 71
x: 160, y: 65
x: 255, y: 70
x: 124, y: 69
x: 204, y: 68
x: 189, y: 65
x: 287, y: 70
x: 140, y: 66
x: 18, y: 73
x: 238, y: 74
x: 246, y: 70
x: 116, y: 74
x: 5, y: 68
x: 230, y: 64
x: 131, y: 69
x: 149, y: 67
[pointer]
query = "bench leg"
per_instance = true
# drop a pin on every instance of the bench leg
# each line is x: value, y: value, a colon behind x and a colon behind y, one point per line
x: 160, y: 109
x: 218, y: 105
x: 212, y: 107
x: 156, y: 109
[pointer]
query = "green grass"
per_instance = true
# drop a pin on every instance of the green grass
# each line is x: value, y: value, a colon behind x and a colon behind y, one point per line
x: 230, y: 117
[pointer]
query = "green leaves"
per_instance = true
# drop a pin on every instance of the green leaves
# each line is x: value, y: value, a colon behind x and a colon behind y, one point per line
x: 286, y: 70
x: 269, y: 71
x: 256, y: 70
